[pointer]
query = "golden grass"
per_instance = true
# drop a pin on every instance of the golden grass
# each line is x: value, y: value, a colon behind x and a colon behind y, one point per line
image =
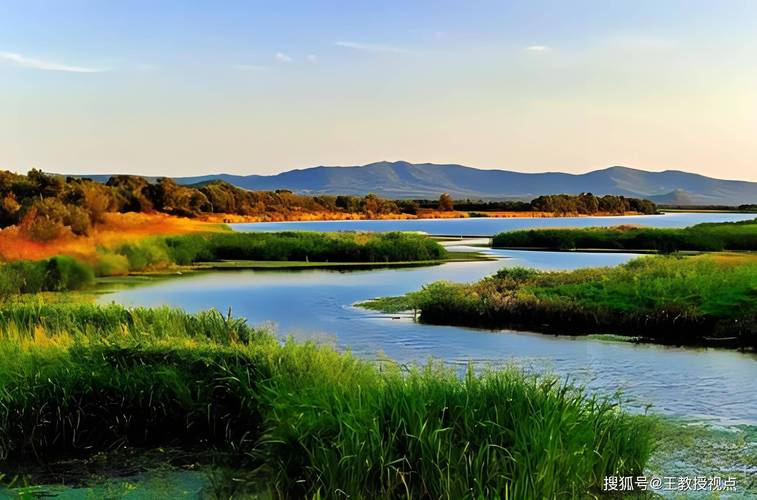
x: 116, y: 228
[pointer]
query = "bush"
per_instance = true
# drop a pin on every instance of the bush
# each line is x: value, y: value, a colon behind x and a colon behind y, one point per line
x: 111, y: 264
x: 55, y: 274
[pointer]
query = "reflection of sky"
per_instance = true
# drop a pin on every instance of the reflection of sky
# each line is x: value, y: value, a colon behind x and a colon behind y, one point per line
x: 490, y: 226
x: 317, y: 304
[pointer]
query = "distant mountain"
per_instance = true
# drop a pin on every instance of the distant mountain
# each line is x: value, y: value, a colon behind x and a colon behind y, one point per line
x: 426, y: 180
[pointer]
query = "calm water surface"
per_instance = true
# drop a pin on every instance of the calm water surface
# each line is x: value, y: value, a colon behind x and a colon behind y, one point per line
x: 491, y: 226
x: 707, y: 385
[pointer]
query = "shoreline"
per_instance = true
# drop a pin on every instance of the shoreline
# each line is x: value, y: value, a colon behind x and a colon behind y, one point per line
x: 422, y: 215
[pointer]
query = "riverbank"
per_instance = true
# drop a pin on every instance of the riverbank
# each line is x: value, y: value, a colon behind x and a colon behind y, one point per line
x: 419, y: 215
x: 706, y: 237
x: 698, y: 300
x: 301, y: 418
x: 220, y: 250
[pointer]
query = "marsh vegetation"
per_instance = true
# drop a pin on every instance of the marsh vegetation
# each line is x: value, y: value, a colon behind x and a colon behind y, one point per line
x: 304, y: 420
x: 669, y: 299
x: 741, y: 235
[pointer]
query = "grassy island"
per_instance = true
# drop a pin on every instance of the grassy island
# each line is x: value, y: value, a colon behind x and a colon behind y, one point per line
x: 301, y: 419
x: 64, y: 273
x: 701, y: 300
x: 701, y: 237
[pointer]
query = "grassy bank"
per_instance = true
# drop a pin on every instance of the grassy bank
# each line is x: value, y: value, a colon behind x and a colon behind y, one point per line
x: 157, y: 253
x: 706, y: 299
x: 304, y: 420
x: 228, y: 249
x: 702, y: 237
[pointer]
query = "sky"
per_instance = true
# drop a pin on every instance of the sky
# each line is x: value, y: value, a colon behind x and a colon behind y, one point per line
x: 257, y: 87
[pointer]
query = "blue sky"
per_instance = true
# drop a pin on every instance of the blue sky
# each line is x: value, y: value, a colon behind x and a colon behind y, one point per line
x: 181, y: 88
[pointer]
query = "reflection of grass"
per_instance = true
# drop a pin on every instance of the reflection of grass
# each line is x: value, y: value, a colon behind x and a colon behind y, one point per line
x: 310, y: 419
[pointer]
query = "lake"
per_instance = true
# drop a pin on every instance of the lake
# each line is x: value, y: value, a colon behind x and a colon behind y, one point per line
x: 490, y: 226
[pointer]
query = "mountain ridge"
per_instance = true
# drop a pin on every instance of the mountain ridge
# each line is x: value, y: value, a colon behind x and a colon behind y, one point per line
x: 401, y: 179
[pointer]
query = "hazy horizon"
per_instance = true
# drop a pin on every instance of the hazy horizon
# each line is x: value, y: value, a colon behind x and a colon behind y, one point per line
x: 176, y: 89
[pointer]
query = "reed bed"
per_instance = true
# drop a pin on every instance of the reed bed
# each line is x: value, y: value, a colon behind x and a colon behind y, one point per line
x: 303, y: 419
x: 705, y: 237
x: 705, y: 299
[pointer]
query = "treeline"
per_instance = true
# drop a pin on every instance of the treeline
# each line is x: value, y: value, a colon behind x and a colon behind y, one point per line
x: 719, y: 208
x: 740, y: 235
x: 559, y: 204
x: 47, y: 206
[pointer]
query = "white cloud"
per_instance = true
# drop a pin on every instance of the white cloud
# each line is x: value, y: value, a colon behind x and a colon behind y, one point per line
x: 370, y: 47
x: 537, y: 48
x: 27, y: 62
x: 281, y: 57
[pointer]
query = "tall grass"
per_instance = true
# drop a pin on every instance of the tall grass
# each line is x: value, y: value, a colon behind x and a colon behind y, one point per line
x: 679, y: 300
x: 54, y: 274
x: 305, y: 419
x: 704, y: 237
x: 162, y: 252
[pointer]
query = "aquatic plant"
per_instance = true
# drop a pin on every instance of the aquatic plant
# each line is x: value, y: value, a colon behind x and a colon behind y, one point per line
x: 703, y: 237
x: 678, y: 300
x: 304, y: 419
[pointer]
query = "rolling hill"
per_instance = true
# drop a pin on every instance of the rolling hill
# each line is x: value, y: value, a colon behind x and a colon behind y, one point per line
x: 425, y: 180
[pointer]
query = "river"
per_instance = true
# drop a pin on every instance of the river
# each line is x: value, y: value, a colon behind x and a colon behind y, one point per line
x: 708, y: 385
x: 700, y: 388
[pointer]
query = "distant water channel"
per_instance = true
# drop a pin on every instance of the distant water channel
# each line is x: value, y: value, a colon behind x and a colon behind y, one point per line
x: 489, y: 226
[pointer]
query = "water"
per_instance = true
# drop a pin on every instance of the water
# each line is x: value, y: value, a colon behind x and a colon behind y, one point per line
x: 491, y: 226
x: 710, y: 386
x: 706, y: 385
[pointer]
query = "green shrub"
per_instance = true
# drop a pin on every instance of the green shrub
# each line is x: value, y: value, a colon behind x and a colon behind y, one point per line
x: 111, y: 264
x: 55, y: 274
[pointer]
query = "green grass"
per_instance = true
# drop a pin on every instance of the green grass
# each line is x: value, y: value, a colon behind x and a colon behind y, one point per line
x: 701, y: 237
x: 48, y: 275
x: 161, y: 252
x: 681, y: 300
x: 303, y: 420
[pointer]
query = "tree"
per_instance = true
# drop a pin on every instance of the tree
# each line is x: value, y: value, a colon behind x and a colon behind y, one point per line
x: 446, y: 203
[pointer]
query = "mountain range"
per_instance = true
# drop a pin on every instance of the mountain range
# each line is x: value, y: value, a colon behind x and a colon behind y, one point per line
x: 401, y: 179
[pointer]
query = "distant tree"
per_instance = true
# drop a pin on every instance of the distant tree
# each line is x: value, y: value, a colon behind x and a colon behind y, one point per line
x: 446, y: 203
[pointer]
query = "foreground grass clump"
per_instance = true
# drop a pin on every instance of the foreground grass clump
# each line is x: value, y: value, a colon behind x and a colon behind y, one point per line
x: 305, y: 420
x: 703, y: 237
x: 289, y: 246
x: 679, y: 300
